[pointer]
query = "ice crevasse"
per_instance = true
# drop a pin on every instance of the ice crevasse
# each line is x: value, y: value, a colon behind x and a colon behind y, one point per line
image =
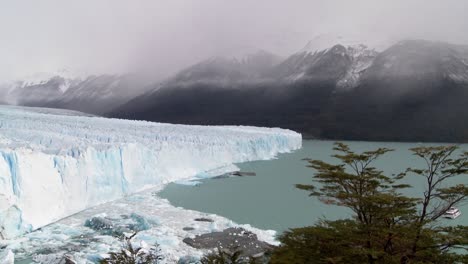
x: 54, y: 163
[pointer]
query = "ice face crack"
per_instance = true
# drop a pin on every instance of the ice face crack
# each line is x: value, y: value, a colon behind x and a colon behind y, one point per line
x: 10, y: 159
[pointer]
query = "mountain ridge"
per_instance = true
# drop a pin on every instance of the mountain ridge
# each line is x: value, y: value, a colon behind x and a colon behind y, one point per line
x: 344, y: 91
x: 337, y: 93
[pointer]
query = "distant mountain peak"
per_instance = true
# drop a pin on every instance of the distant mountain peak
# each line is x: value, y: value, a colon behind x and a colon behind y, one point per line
x: 247, y: 57
x: 41, y: 77
x: 325, y: 42
x: 228, y: 69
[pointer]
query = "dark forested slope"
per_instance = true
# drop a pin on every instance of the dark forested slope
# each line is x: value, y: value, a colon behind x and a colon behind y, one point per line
x: 412, y: 91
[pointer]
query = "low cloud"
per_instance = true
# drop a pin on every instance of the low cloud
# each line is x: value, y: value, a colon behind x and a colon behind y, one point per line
x: 159, y: 37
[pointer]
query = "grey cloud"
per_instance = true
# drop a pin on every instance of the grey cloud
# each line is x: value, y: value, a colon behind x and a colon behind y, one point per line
x: 159, y: 37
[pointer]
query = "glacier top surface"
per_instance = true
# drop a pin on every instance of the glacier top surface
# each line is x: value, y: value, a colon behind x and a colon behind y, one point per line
x: 61, y: 131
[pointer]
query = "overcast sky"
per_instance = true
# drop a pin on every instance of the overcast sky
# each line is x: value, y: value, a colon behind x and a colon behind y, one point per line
x: 160, y: 37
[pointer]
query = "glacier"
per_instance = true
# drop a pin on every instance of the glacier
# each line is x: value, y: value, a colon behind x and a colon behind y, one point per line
x: 56, y: 163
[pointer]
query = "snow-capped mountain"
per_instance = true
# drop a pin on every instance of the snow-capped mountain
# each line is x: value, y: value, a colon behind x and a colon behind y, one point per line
x: 342, y: 65
x: 99, y: 94
x: 336, y: 59
x: 324, y: 58
x: 39, y: 91
x: 92, y: 94
x: 326, y: 41
x: 39, y: 78
x: 413, y: 60
x: 227, y: 70
x: 324, y: 90
x: 316, y: 90
x: 342, y: 62
x: 361, y: 59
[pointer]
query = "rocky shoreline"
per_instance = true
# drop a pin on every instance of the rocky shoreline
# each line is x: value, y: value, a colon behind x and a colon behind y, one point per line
x: 232, y: 239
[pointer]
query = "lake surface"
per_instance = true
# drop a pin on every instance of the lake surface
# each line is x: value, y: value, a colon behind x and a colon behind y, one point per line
x: 269, y: 200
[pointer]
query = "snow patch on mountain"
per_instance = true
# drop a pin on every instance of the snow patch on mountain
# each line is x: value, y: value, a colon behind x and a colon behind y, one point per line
x: 227, y: 70
x: 324, y: 42
x: 328, y: 58
x: 39, y: 87
x: 361, y: 59
x: 39, y: 78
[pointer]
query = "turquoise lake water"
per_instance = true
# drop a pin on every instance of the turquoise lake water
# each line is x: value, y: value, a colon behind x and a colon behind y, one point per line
x: 269, y: 200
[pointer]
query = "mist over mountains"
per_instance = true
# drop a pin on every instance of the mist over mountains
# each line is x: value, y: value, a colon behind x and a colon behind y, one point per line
x: 91, y: 94
x: 414, y: 90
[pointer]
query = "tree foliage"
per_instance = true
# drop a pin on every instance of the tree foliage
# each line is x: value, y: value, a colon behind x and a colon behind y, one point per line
x: 387, y: 226
x: 231, y: 256
x: 130, y: 254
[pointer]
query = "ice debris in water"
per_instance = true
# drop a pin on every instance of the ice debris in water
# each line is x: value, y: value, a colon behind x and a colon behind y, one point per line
x: 7, y: 257
x: 168, y: 229
x: 119, y: 226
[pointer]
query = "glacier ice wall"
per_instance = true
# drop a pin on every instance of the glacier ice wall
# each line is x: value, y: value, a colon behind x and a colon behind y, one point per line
x: 53, y: 165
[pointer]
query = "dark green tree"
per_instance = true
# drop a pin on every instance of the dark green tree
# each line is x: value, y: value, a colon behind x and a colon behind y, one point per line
x: 232, y: 256
x: 387, y: 226
x: 224, y: 256
x: 133, y: 255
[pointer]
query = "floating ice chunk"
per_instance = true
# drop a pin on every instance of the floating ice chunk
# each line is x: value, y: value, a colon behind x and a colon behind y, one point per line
x: 99, y: 223
x: 188, y: 182
x: 11, y: 223
x: 119, y: 226
x: 218, y: 171
x: 7, y: 257
x: 140, y: 223
x: 189, y: 260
